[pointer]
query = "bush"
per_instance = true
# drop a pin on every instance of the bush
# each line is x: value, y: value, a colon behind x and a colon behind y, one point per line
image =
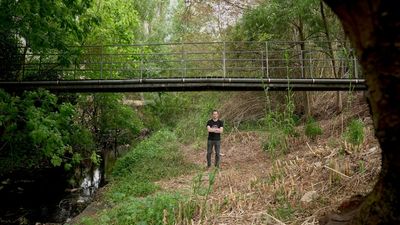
x: 276, y: 143
x: 167, y: 109
x: 280, y: 127
x: 38, y: 131
x: 354, y: 133
x: 312, y: 128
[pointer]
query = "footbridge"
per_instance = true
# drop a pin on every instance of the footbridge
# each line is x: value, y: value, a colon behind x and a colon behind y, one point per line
x: 201, y: 66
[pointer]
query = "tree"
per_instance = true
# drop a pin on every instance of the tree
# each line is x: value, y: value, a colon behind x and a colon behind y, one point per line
x: 111, y: 122
x: 38, y: 132
x: 118, y: 23
x: 374, y: 31
x: 34, y: 27
x: 271, y: 20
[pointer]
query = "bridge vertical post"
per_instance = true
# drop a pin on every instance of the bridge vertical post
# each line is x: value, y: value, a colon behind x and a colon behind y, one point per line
x: 141, y: 61
x: 301, y: 58
x: 101, y: 62
x: 111, y: 64
x: 262, y: 63
x: 40, y: 63
x: 266, y: 58
x: 183, y: 60
x: 311, y: 61
x: 75, y: 65
x: 355, y: 66
x: 224, y: 59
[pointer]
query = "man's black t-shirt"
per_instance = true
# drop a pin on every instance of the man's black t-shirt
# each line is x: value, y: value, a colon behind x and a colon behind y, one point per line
x: 215, y: 124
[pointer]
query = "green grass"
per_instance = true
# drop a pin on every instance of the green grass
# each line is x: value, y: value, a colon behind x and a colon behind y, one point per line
x: 280, y: 126
x: 153, y: 159
x: 312, y: 128
x: 354, y: 133
x: 284, y: 210
x: 131, y: 191
x: 156, y: 209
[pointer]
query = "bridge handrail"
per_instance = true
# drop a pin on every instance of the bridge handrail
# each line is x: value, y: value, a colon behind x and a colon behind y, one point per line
x: 270, y: 59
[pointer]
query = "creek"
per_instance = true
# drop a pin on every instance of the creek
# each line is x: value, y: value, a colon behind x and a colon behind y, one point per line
x: 44, y: 196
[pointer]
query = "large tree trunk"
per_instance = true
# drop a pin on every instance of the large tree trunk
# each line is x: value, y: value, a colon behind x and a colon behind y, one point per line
x: 373, y: 28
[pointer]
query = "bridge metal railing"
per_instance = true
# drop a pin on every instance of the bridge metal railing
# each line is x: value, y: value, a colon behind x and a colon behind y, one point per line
x: 272, y: 59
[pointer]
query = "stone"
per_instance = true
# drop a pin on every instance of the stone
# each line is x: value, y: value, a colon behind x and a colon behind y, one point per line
x: 309, y: 196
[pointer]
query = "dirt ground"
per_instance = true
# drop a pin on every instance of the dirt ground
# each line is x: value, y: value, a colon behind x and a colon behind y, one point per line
x: 253, y: 188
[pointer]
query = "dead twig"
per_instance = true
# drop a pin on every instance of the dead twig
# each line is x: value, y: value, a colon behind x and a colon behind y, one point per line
x: 340, y: 173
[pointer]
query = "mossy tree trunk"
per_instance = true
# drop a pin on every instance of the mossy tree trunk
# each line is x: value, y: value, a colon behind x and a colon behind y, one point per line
x: 373, y: 28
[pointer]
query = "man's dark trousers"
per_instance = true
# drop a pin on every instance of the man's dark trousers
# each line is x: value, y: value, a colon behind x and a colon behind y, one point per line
x: 217, y: 147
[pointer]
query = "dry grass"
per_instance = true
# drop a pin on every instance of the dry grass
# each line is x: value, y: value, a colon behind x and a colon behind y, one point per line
x: 252, y: 188
x: 243, y: 107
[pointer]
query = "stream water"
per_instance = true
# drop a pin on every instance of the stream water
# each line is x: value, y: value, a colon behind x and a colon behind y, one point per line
x: 42, y: 196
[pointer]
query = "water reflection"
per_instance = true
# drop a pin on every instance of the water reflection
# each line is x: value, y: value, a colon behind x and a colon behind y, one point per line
x: 89, y: 185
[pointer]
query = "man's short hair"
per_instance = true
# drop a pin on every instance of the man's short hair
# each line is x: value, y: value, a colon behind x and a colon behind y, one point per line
x: 214, y: 110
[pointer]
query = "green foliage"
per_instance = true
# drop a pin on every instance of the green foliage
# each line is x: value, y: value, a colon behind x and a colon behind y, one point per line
x: 46, y: 24
x: 157, y: 157
x: 192, y: 126
x: 284, y: 211
x: 37, y: 27
x: 167, y: 109
x: 312, y: 128
x: 280, y: 127
x: 37, y: 131
x: 119, y: 22
x: 361, y: 166
x: 354, y: 133
x: 112, y: 122
x: 158, y: 209
x: 275, y: 144
x: 271, y: 19
x: 154, y: 158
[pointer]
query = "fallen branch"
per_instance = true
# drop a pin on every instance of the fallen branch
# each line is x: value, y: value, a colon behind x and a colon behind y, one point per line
x: 310, y: 148
x: 337, y: 172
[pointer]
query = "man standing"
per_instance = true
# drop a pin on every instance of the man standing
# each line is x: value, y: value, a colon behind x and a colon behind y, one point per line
x: 214, y: 127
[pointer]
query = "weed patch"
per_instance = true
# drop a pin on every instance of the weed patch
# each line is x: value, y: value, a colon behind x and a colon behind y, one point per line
x: 312, y: 128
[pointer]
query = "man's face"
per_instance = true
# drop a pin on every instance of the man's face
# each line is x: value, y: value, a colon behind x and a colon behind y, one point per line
x: 215, y: 115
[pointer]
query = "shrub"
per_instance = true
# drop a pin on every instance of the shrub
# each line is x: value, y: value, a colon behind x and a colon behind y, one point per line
x: 354, y: 133
x: 280, y: 127
x: 276, y: 143
x: 312, y: 128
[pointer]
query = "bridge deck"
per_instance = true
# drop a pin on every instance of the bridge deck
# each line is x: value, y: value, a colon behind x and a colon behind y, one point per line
x: 189, y: 84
